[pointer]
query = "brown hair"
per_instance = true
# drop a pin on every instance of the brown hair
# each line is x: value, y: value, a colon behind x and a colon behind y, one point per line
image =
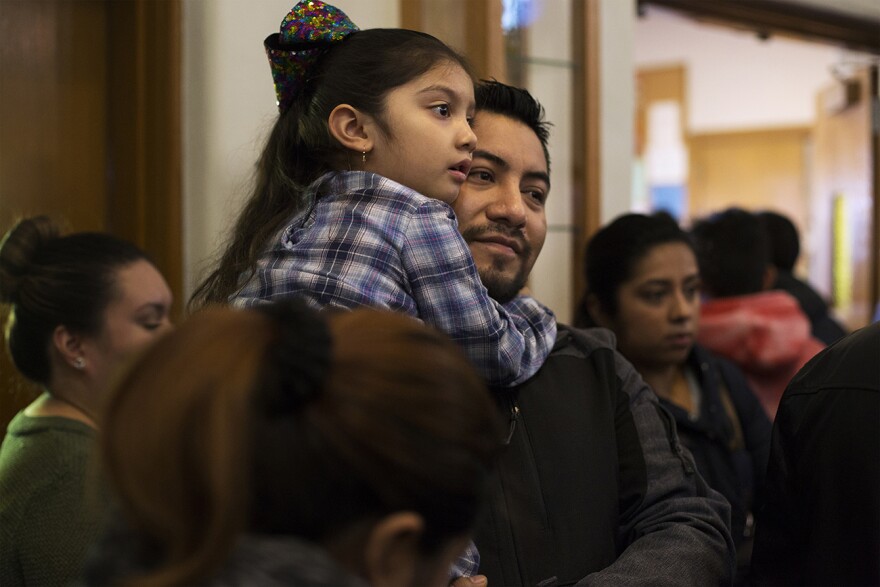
x: 280, y: 420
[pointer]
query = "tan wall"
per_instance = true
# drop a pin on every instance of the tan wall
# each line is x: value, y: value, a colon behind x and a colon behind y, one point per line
x: 755, y: 170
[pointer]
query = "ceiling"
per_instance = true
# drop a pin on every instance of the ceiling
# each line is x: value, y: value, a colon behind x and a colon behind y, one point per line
x: 853, y: 24
x: 869, y: 9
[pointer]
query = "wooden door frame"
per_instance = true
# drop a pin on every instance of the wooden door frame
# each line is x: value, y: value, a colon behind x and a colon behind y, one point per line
x: 484, y: 39
x: 144, y: 64
x: 874, y: 94
x: 586, y: 150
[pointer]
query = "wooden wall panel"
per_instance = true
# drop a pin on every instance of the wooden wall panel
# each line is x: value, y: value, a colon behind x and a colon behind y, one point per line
x: 586, y: 150
x: 90, y: 129
x: 753, y: 169
x: 144, y: 116
x: 52, y: 103
x: 52, y: 131
x: 656, y: 84
x: 472, y: 28
x: 846, y: 167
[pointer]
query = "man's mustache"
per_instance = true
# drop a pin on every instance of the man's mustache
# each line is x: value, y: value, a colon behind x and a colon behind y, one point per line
x: 517, y: 234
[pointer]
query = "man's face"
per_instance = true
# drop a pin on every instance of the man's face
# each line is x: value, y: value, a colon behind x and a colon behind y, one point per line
x: 500, y: 207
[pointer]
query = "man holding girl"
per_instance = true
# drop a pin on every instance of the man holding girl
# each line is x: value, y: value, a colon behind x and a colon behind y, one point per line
x: 352, y: 207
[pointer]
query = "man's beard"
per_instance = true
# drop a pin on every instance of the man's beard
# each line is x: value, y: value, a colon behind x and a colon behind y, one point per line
x: 502, y: 288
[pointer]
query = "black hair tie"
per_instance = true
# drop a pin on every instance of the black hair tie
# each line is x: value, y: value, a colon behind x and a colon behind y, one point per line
x: 299, y: 358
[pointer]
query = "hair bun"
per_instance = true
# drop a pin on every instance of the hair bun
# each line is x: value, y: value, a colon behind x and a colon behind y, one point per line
x: 300, y: 356
x: 19, y: 247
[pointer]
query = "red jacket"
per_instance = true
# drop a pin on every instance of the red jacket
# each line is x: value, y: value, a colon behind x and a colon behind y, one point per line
x: 766, y: 334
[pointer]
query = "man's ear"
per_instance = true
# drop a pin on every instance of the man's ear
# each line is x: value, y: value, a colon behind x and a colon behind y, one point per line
x: 351, y: 128
x: 68, y: 345
x: 391, y: 554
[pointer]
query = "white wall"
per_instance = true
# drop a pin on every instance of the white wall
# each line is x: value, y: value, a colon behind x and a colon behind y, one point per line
x: 550, y: 69
x: 229, y: 106
x: 617, y: 107
x: 735, y: 80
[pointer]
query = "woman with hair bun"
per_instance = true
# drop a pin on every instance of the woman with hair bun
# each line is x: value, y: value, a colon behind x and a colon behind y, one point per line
x: 79, y: 305
x: 280, y: 446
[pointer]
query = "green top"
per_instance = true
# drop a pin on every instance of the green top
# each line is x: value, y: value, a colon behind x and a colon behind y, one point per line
x: 48, y: 507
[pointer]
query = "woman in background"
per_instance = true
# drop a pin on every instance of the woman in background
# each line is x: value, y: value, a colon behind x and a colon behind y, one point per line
x: 79, y: 306
x: 279, y: 446
x: 643, y: 283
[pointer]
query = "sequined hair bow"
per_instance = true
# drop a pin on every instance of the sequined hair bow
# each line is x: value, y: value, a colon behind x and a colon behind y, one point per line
x: 307, y: 30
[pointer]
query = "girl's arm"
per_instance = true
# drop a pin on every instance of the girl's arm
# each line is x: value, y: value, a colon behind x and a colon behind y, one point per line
x: 509, y: 343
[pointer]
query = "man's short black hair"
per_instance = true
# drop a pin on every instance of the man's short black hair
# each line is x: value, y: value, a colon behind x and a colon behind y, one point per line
x: 785, y: 245
x: 732, y: 252
x: 515, y: 103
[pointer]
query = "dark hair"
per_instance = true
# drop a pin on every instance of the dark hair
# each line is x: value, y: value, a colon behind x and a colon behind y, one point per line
x: 298, y: 423
x: 732, y: 252
x: 51, y: 280
x: 515, y: 103
x: 783, y: 239
x: 360, y: 70
x: 615, y: 249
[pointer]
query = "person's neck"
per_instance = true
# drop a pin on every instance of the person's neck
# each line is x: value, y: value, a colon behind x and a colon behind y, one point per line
x: 671, y: 384
x: 61, y: 406
x: 661, y: 379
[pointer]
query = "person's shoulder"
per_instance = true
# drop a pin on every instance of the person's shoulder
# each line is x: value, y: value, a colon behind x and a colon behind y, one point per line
x: 584, y: 340
x: 48, y: 447
x: 703, y: 359
x: 364, y: 185
x: 598, y: 348
x: 375, y: 204
x: 849, y: 362
x: 63, y: 434
x: 41, y: 470
x: 808, y: 298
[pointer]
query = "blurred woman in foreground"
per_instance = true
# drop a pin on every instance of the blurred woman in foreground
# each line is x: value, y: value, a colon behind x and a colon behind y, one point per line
x: 281, y: 446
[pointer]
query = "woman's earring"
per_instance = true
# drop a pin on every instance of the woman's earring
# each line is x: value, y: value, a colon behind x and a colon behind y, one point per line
x: 364, y: 156
x: 79, y: 363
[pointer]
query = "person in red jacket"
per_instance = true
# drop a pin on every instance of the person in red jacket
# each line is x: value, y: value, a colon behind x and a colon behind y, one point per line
x: 763, y: 331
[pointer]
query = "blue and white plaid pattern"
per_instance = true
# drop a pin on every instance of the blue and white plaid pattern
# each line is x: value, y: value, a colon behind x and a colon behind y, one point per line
x: 369, y: 241
x: 467, y: 564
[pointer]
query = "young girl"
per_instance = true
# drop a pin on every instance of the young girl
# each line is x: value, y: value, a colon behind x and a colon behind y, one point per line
x: 350, y: 206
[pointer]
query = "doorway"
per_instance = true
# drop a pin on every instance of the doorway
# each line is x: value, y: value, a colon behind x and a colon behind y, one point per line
x: 764, y: 151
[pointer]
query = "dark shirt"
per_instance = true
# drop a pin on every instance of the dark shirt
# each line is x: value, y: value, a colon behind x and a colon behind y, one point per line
x: 730, y: 452
x: 594, y: 485
x: 820, y: 523
x: 823, y: 326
